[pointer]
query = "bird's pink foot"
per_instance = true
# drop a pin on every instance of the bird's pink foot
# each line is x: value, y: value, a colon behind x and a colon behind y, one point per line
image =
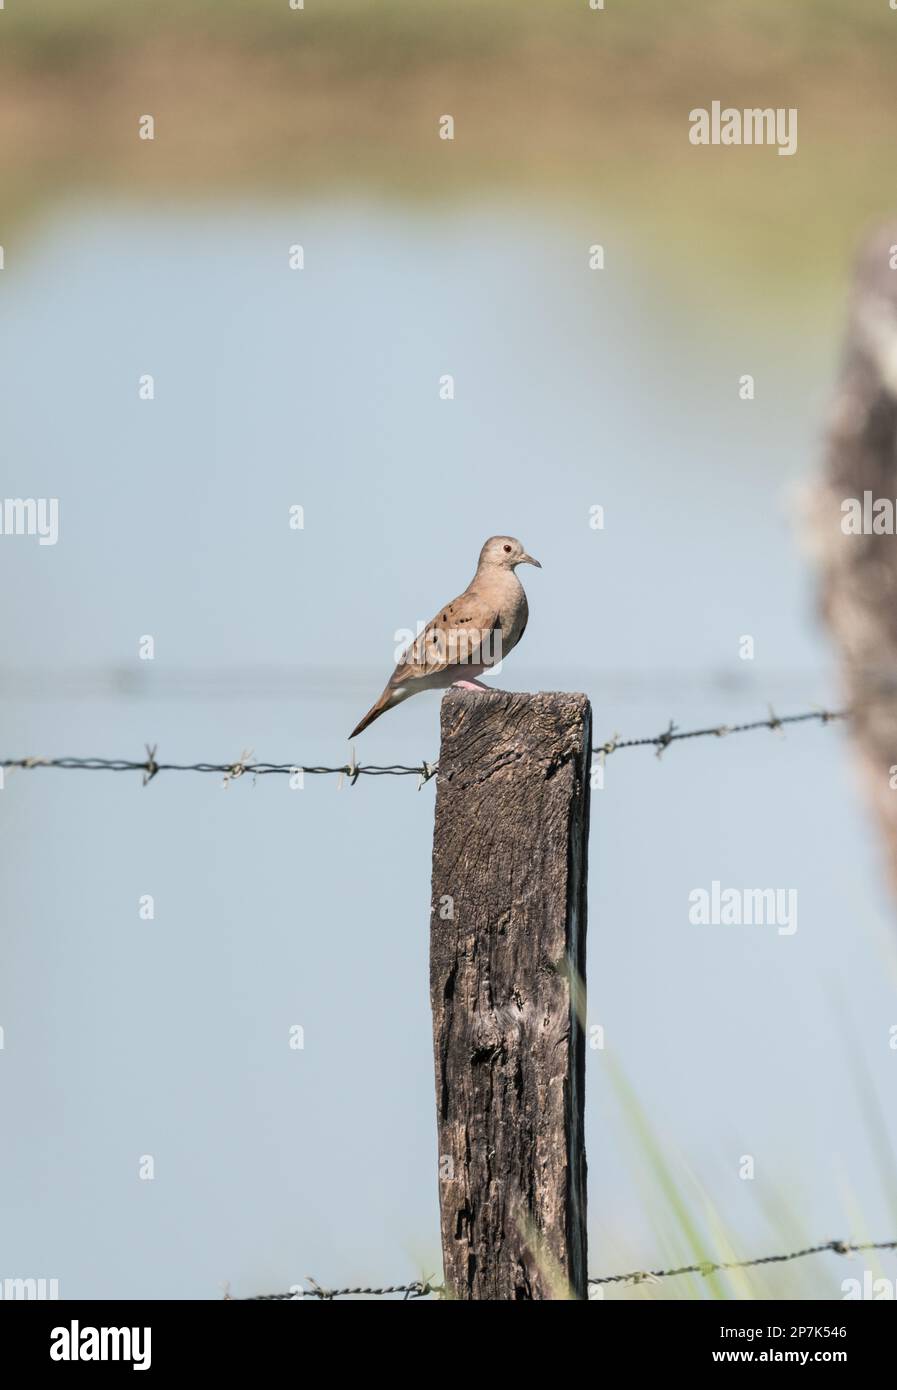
x: 470, y: 685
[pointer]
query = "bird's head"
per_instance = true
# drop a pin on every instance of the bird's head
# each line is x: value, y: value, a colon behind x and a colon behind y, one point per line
x: 505, y: 553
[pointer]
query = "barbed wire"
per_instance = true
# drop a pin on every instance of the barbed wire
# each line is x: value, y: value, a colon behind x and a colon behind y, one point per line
x: 839, y: 1247
x: 672, y: 734
x: 243, y: 766
x: 352, y: 770
x: 423, y: 1288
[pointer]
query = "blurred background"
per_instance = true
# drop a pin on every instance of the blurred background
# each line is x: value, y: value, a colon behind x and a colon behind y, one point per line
x: 319, y: 388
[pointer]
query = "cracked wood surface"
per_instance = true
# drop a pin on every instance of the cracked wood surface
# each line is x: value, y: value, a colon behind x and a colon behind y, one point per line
x: 507, y: 961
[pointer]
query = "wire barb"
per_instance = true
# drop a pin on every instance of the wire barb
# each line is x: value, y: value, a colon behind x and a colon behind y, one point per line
x: 152, y: 767
x: 664, y: 740
x: 238, y: 768
x: 427, y: 771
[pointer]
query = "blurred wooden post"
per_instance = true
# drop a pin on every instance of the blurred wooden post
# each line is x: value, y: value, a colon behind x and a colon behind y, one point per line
x: 859, y: 565
x: 507, y: 965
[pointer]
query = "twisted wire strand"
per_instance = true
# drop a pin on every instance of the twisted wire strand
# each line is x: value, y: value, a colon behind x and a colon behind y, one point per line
x: 422, y: 1288
x: 839, y: 1247
x: 424, y: 770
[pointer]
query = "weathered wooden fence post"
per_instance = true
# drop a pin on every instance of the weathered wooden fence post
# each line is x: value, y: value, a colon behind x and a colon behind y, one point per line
x: 507, y: 965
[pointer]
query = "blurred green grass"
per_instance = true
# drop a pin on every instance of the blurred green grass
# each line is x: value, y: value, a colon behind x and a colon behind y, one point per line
x: 804, y: 31
x: 554, y: 102
x: 688, y: 1229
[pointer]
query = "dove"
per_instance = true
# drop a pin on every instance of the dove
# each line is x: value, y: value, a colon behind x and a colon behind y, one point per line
x: 468, y: 635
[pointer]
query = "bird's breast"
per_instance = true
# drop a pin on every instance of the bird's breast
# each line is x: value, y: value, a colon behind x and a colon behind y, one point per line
x: 514, y: 614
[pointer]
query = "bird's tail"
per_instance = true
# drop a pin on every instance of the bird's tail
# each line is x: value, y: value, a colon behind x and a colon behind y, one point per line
x: 386, y: 701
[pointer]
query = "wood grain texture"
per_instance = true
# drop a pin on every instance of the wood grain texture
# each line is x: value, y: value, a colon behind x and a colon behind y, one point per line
x: 507, y: 962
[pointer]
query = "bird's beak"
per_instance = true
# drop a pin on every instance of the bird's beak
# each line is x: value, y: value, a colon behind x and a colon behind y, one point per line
x: 528, y: 560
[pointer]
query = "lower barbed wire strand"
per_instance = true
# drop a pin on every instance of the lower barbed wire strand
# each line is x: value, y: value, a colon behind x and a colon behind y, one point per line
x: 838, y: 1247
x: 416, y: 1290
x: 423, y: 1288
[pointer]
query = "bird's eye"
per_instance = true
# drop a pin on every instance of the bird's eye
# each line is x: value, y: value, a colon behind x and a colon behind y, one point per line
x: 507, y: 550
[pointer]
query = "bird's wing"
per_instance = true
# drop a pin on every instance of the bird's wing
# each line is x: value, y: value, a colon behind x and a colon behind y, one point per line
x: 460, y: 634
